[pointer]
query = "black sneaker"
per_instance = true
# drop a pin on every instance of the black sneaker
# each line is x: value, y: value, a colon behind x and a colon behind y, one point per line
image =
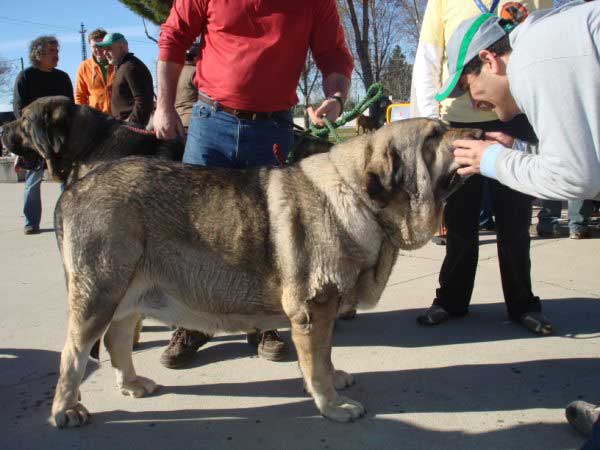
x: 582, y: 416
x: 434, y: 315
x: 348, y: 315
x: 183, y: 347
x: 269, y: 345
x: 537, y: 323
x: 31, y: 229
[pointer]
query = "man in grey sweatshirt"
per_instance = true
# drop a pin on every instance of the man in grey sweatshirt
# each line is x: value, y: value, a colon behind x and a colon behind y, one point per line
x: 547, y: 68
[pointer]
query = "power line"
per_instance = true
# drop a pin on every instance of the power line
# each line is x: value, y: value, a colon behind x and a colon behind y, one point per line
x: 23, y: 22
x: 27, y: 22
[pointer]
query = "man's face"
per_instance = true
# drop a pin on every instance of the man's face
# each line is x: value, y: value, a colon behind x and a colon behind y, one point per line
x: 49, y: 60
x: 115, y: 52
x: 98, y: 52
x: 489, y: 90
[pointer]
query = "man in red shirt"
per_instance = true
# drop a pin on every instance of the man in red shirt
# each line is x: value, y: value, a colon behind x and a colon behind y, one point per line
x: 251, y: 56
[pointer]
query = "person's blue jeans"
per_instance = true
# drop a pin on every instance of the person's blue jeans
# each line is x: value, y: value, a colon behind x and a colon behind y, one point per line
x: 217, y: 138
x: 32, y: 198
x: 579, y: 214
x: 593, y: 443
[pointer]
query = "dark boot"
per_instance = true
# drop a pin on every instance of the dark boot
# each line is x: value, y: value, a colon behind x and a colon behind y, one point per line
x: 183, y: 347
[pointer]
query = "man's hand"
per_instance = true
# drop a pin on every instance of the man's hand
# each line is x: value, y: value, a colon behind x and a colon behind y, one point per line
x: 167, y: 124
x: 501, y: 138
x: 468, y: 153
x: 330, y: 108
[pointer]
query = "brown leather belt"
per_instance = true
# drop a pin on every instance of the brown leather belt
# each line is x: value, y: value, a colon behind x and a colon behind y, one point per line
x: 239, y: 113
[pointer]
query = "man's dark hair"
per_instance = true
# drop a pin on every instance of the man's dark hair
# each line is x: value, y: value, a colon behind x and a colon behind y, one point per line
x: 500, y: 47
x: 98, y: 33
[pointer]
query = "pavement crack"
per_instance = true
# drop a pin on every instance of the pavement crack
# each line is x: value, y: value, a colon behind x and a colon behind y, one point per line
x: 579, y: 291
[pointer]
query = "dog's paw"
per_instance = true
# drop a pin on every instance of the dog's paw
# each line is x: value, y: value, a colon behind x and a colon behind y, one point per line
x: 139, y: 387
x: 342, y: 380
x: 343, y: 409
x: 76, y: 416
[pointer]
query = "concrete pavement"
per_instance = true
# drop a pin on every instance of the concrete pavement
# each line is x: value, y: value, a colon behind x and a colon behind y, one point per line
x: 475, y: 383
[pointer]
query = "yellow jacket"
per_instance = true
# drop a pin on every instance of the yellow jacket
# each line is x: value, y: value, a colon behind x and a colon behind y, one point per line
x: 90, y: 87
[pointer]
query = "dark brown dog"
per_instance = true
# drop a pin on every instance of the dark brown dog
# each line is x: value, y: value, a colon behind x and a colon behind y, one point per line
x: 73, y: 139
x: 366, y: 123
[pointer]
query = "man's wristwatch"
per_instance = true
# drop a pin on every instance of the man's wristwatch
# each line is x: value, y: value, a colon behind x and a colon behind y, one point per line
x: 339, y: 99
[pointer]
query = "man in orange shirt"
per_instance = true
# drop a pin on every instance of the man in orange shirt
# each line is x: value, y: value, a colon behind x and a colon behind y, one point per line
x: 95, y: 76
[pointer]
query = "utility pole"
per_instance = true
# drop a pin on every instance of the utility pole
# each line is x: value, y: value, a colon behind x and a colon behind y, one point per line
x: 417, y: 13
x: 83, y: 48
x: 22, y: 66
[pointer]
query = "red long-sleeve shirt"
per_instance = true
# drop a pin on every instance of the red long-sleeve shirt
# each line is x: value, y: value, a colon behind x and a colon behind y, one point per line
x: 252, y: 51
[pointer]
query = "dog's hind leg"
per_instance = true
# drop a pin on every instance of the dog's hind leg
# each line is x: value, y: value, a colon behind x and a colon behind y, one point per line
x: 86, y: 324
x: 96, y: 284
x: 312, y: 333
x: 118, y: 341
x: 66, y: 409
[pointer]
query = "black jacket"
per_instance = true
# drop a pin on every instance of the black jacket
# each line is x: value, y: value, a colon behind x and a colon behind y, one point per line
x: 132, y: 92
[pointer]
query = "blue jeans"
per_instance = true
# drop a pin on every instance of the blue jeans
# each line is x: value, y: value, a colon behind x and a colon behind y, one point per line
x: 579, y: 214
x: 32, y: 198
x: 217, y: 138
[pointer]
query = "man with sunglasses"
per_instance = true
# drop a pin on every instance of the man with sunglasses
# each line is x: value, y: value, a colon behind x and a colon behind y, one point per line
x: 461, y: 215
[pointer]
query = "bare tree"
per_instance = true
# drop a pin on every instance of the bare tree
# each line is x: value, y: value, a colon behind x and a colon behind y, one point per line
x: 410, y: 16
x: 372, y: 31
x: 7, y: 73
x: 308, y: 79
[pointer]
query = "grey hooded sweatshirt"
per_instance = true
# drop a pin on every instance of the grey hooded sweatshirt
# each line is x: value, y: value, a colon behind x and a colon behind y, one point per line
x: 554, y: 77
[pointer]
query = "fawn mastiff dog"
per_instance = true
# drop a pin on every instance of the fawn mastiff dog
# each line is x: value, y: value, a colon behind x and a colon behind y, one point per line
x: 296, y: 246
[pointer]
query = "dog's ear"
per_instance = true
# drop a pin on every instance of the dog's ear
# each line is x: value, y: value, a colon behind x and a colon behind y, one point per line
x: 383, y: 175
x: 58, y: 131
x: 48, y: 128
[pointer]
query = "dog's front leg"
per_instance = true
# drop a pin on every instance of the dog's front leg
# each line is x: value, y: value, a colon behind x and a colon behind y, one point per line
x: 312, y: 333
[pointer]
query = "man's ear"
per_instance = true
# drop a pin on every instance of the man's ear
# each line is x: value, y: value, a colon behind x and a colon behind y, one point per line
x: 493, y: 62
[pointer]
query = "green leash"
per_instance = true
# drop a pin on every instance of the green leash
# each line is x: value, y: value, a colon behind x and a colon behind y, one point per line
x: 374, y: 93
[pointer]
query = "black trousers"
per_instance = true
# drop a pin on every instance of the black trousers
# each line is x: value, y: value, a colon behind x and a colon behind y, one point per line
x: 512, y: 211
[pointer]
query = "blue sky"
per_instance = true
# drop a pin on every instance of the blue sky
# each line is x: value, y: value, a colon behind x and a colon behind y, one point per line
x: 23, y: 20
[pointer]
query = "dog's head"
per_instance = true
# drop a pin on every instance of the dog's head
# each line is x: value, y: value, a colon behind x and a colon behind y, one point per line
x: 409, y: 172
x: 53, y: 128
x: 41, y: 130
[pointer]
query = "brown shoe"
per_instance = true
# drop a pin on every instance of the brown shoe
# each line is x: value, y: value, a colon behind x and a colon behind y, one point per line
x: 183, y: 347
x: 269, y: 345
x: 584, y: 233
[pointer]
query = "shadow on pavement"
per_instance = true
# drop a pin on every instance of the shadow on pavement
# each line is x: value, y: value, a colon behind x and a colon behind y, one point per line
x: 482, y: 389
x: 484, y: 323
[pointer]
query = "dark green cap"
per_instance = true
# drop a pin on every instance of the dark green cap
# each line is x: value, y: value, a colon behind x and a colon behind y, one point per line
x: 110, y: 39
